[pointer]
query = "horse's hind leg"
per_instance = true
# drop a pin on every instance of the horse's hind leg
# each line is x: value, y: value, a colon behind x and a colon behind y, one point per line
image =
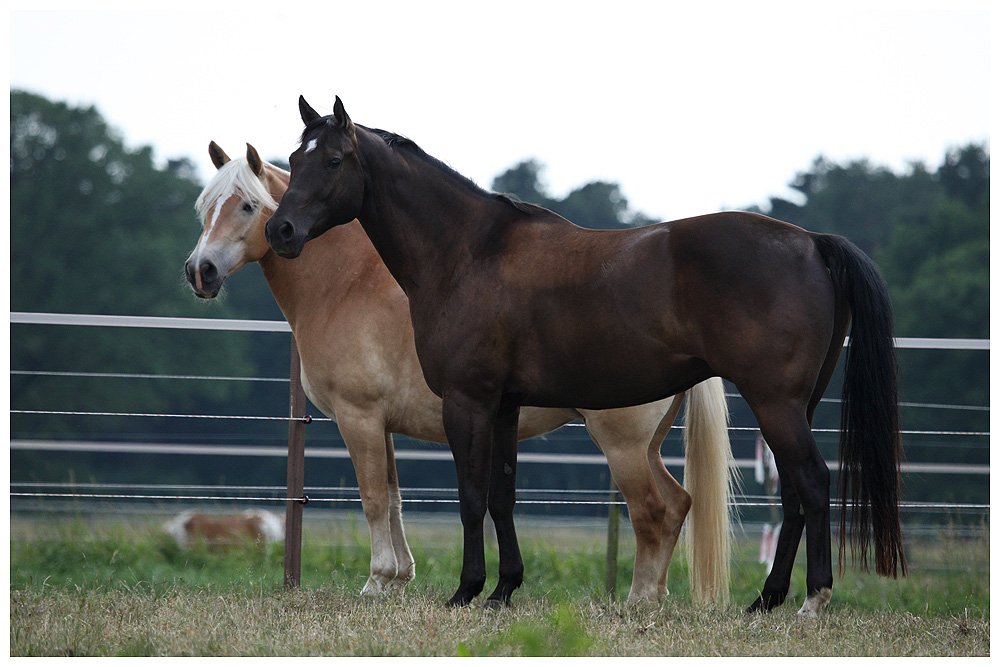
x: 778, y: 580
x: 405, y: 565
x: 677, y: 499
x: 501, y: 504
x: 805, y: 499
x: 625, y: 447
x: 678, y: 504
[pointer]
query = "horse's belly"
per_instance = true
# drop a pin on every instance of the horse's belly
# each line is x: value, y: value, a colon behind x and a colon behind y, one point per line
x: 616, y: 380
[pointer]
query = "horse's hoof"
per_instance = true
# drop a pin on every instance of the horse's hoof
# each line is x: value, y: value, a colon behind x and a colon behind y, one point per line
x: 813, y: 606
x: 763, y: 605
x: 371, y: 590
x: 458, y: 600
x: 395, y: 587
x: 497, y: 602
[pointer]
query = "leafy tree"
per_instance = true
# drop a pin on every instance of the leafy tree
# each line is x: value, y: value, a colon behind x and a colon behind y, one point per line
x: 929, y: 233
x: 856, y: 200
x: 965, y: 174
x: 524, y: 180
x: 597, y: 205
x: 97, y: 228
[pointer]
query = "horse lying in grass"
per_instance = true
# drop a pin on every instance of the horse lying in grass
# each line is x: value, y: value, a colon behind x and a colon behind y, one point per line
x: 255, y: 527
x: 352, y: 326
x: 513, y: 305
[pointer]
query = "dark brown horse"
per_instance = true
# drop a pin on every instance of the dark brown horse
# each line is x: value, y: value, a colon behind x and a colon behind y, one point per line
x: 352, y: 328
x: 513, y: 305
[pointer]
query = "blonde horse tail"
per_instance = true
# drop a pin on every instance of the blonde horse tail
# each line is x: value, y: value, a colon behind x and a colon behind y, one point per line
x: 709, y: 476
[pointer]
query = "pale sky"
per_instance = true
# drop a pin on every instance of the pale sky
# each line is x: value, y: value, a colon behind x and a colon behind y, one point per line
x: 690, y: 111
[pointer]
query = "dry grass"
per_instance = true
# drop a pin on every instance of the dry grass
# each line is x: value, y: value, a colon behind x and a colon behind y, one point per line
x: 86, y: 589
x: 332, y: 622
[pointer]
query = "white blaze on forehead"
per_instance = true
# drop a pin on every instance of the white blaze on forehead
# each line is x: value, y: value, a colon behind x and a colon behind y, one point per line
x: 311, y: 146
x: 207, y: 233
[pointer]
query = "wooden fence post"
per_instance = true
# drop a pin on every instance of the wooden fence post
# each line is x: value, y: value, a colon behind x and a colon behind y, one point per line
x: 611, y: 565
x: 296, y: 473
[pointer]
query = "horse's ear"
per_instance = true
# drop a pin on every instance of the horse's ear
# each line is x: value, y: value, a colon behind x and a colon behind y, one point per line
x: 254, y: 160
x: 218, y: 155
x: 307, y: 112
x: 340, y: 115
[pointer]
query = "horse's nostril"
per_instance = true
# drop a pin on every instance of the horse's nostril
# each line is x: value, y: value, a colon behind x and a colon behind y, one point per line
x: 208, y: 271
x: 286, y: 231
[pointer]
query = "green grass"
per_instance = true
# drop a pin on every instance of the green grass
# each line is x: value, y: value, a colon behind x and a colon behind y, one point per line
x: 113, y: 589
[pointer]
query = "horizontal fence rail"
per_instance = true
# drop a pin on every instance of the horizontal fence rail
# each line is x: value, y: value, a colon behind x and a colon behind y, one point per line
x: 351, y: 494
x: 295, y: 496
x: 144, y: 322
x: 235, y: 378
x: 209, y: 324
x: 405, y: 454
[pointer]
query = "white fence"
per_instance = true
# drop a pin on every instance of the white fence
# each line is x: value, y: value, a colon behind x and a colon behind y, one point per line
x: 65, y: 319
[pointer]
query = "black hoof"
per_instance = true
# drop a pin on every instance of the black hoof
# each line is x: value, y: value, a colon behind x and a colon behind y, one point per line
x: 494, y: 603
x: 764, y: 604
x: 461, y: 598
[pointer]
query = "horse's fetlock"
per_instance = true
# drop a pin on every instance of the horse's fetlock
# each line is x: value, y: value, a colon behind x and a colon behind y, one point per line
x: 813, y: 606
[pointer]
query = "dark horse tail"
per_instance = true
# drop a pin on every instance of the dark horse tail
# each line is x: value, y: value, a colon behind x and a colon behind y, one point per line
x: 870, y: 446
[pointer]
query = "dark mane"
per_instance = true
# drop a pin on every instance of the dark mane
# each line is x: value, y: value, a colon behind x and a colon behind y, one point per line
x: 399, y: 142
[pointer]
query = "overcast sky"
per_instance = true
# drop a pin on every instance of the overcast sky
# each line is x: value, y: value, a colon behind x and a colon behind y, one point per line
x: 691, y: 111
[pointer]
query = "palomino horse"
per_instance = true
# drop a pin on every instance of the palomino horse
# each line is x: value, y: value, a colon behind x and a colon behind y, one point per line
x: 359, y: 366
x: 513, y: 305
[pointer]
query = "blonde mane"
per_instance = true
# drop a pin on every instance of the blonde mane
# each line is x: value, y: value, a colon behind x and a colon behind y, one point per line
x: 234, y: 178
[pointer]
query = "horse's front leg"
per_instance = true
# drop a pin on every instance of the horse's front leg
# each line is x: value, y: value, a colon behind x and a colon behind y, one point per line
x: 364, y: 434
x: 501, y: 503
x: 468, y: 423
x: 406, y: 567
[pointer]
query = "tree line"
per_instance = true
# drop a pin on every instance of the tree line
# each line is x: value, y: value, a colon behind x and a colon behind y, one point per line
x: 97, y: 227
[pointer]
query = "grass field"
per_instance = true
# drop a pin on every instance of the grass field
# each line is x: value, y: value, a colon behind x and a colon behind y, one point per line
x: 110, y: 588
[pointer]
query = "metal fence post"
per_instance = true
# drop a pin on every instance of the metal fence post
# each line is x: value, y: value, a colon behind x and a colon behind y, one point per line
x: 611, y: 565
x: 296, y: 473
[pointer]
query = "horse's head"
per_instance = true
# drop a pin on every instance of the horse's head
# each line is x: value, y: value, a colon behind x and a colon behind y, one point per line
x: 327, y: 182
x: 233, y: 208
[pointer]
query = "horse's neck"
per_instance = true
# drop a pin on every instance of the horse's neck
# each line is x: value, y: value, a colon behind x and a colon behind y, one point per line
x: 276, y: 180
x: 423, y: 224
x: 283, y: 277
x: 322, y: 276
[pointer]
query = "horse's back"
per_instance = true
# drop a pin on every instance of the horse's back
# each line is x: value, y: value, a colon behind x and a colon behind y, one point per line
x: 669, y: 304
x: 753, y: 291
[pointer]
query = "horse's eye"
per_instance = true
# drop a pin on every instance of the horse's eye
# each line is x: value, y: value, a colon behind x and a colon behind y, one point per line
x: 333, y: 164
x: 248, y: 207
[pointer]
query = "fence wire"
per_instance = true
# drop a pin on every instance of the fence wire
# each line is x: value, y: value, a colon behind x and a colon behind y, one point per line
x: 527, y: 497
x: 309, y: 419
x: 236, y: 378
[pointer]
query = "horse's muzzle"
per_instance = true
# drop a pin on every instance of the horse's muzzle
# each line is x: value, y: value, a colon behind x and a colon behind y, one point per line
x: 204, y: 278
x: 282, y: 238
